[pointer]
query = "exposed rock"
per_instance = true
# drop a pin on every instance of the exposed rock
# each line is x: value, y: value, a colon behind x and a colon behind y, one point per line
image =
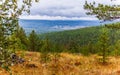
x: 16, y: 59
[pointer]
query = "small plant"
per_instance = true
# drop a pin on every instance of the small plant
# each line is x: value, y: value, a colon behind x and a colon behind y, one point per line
x: 5, y: 56
x: 56, y: 57
x: 45, y: 57
x: 5, y: 59
x: 46, y: 48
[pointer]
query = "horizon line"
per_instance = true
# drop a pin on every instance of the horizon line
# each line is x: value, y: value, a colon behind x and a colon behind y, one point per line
x: 44, y: 17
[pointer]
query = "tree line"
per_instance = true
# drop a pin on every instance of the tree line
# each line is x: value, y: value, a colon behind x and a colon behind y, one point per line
x: 85, y: 41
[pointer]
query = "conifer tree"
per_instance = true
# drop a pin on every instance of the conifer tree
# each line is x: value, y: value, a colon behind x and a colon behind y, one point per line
x: 103, y: 12
x: 73, y: 46
x: 34, y: 41
x: 46, y: 48
x: 104, y: 44
x: 10, y: 10
x: 21, y: 35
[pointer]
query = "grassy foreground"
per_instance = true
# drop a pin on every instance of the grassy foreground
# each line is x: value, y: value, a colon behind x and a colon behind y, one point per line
x: 65, y: 64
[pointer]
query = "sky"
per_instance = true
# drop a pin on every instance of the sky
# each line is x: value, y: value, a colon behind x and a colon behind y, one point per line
x: 62, y: 10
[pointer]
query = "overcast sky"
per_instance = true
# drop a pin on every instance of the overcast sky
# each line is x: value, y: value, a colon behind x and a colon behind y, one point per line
x: 62, y: 9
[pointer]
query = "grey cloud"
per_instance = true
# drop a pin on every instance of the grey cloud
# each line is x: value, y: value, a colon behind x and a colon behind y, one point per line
x: 65, y: 8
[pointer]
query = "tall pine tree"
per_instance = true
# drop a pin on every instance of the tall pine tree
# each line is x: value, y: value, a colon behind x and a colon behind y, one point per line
x: 10, y: 10
x: 104, y: 44
x: 34, y: 41
x: 21, y: 35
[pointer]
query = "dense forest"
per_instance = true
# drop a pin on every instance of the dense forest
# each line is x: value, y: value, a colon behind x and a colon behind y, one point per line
x: 85, y: 40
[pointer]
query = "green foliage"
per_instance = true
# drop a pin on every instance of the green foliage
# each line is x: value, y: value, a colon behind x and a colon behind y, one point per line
x: 83, y: 40
x: 45, y: 57
x: 117, y: 48
x: 5, y: 59
x: 103, y: 12
x: 115, y: 26
x: 9, y: 14
x: 75, y: 41
x: 34, y: 41
x: 104, y: 43
x: 72, y: 46
x: 106, y: 12
x: 15, y: 43
x: 22, y: 38
x: 10, y: 11
x: 18, y: 40
x: 46, y: 48
x: 5, y: 56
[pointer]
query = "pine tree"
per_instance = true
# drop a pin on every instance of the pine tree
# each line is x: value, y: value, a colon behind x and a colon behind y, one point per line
x: 21, y: 35
x: 10, y: 11
x: 103, y: 12
x: 73, y: 46
x: 104, y: 44
x: 9, y: 16
x: 34, y: 41
x: 46, y: 48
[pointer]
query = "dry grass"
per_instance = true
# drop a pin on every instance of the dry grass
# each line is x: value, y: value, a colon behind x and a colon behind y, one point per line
x: 65, y: 64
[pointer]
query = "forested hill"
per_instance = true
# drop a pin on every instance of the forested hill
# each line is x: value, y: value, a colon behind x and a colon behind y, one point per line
x: 81, y: 36
x: 76, y: 40
x: 84, y: 40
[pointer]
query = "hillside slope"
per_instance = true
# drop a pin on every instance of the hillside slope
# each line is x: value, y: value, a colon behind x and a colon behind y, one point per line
x: 66, y: 64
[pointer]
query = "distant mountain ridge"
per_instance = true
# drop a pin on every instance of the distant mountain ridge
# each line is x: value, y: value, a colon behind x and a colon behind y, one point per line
x: 44, y: 26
